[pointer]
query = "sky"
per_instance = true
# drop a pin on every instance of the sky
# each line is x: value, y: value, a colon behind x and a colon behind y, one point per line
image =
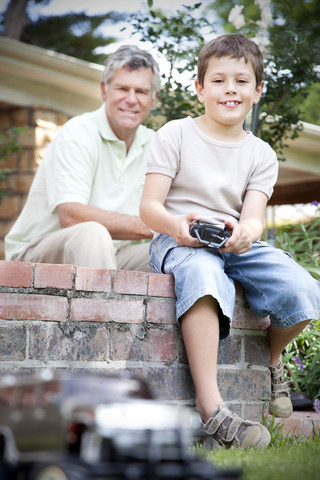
x: 92, y: 7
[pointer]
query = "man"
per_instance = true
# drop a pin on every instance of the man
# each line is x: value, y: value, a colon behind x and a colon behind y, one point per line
x: 83, y: 204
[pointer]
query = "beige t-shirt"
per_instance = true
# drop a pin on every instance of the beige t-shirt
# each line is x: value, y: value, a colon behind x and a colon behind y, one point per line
x: 209, y: 176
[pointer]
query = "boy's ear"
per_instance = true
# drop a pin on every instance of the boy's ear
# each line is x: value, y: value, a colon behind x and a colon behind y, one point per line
x: 258, y: 93
x: 199, y: 90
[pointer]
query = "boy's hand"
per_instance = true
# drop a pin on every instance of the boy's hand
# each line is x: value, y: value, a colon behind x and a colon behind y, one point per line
x: 240, y: 240
x: 182, y: 231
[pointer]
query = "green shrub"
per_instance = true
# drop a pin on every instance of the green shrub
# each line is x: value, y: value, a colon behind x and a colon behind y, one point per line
x: 302, y: 241
x: 302, y: 355
x: 9, y: 143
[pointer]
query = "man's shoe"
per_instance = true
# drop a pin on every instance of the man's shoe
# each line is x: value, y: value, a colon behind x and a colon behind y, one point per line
x: 280, y: 404
x: 227, y: 428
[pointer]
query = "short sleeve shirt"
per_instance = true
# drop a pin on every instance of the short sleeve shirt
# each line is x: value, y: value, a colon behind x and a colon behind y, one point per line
x: 208, y: 176
x: 86, y: 163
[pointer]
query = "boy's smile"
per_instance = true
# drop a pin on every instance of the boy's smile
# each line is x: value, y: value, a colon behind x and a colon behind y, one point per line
x: 229, y: 90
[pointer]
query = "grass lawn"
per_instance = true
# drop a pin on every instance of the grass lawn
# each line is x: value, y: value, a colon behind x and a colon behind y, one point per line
x: 284, y: 459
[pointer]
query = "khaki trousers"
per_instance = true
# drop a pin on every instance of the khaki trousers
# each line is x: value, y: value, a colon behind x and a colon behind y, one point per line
x: 87, y: 244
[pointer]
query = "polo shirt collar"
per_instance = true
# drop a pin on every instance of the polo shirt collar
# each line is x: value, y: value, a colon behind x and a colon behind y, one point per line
x: 107, y: 133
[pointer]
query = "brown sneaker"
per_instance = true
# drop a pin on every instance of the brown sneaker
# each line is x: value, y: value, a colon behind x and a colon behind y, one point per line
x: 227, y: 428
x: 280, y: 404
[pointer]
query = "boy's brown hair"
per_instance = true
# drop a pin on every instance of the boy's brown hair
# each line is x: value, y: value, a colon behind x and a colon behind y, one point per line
x: 234, y: 45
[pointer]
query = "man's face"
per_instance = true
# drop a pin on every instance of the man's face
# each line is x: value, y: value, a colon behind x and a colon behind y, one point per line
x: 128, y: 100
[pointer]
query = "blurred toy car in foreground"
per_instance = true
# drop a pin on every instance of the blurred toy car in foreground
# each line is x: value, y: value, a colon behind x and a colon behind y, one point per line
x: 87, y: 427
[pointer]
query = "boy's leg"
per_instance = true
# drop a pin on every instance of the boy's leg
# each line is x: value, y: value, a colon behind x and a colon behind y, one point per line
x: 281, y: 337
x: 280, y: 404
x: 275, y: 285
x: 200, y: 331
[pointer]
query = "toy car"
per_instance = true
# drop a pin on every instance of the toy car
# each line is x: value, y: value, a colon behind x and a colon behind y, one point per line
x: 86, y: 427
x: 209, y: 234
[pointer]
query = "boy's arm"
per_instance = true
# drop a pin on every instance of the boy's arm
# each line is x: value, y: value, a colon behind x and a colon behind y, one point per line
x: 250, y: 226
x: 155, y: 215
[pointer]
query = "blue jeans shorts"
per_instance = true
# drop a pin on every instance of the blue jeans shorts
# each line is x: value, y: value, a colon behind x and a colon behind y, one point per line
x: 273, y: 283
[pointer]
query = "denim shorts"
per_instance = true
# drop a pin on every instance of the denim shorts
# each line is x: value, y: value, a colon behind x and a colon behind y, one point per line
x: 273, y: 283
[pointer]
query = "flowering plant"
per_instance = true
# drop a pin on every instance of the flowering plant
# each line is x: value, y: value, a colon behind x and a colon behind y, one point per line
x: 302, y: 241
x: 302, y: 356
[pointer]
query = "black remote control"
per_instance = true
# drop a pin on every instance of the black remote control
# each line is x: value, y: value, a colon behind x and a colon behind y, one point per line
x: 209, y: 234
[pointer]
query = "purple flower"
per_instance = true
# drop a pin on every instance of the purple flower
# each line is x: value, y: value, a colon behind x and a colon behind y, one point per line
x: 315, y: 203
x: 316, y: 405
x: 299, y: 364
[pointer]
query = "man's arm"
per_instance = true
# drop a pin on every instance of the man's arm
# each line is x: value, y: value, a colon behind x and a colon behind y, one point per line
x: 120, y: 226
x: 250, y: 226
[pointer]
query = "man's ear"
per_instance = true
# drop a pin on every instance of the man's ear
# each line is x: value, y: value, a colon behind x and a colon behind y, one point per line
x: 258, y: 92
x: 199, y: 90
x: 103, y: 91
x: 155, y: 99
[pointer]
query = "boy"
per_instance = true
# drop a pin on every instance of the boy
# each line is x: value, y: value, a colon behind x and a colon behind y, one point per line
x: 210, y: 169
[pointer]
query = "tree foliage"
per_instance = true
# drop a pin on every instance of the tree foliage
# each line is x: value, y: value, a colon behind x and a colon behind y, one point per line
x: 292, y: 60
x: 176, y: 37
x: 75, y: 34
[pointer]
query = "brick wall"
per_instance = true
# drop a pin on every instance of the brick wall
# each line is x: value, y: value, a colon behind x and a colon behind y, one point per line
x: 40, y: 126
x: 62, y: 317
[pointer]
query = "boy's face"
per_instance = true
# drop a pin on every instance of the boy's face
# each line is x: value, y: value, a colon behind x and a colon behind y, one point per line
x: 228, y: 92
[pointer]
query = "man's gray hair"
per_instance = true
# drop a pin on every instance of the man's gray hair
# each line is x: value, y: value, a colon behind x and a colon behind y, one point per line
x: 132, y: 57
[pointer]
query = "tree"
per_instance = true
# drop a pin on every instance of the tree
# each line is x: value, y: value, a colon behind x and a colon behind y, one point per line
x: 75, y: 34
x: 291, y: 52
x: 176, y: 37
x: 292, y: 58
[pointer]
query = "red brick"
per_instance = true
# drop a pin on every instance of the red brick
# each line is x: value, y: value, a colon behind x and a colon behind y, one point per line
x: 255, y: 412
x: 12, y: 343
x: 15, y: 274
x: 154, y: 345
x: 161, y: 311
x: 14, y: 306
x: 101, y: 310
x: 230, y: 350
x: 20, y: 182
x: 56, y: 276
x: 243, y: 317
x: 256, y: 349
x: 48, y: 342
x: 130, y: 282
x: 171, y: 382
x: 300, y: 423
x: 93, y: 279
x: 9, y: 207
x: 161, y: 285
x: 245, y: 383
x: 26, y: 161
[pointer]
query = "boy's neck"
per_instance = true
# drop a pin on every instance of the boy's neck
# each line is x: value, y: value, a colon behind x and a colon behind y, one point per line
x: 224, y: 133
